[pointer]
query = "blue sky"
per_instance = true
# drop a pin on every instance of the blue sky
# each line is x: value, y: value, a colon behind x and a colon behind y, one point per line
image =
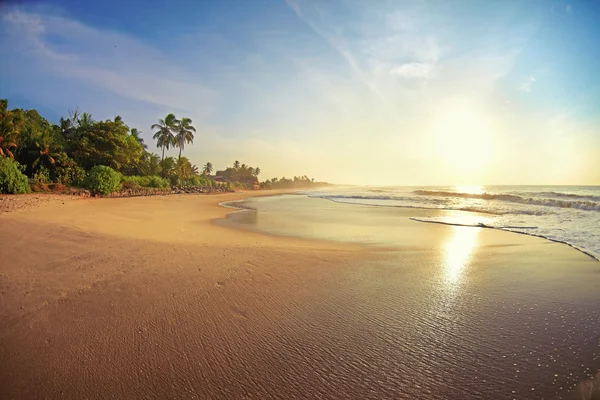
x: 371, y: 92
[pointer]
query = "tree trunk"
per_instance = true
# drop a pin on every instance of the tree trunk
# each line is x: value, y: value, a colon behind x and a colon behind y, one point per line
x: 163, y: 153
x: 179, y: 151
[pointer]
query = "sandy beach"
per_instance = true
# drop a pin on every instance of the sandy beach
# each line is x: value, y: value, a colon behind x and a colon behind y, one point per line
x: 149, y: 298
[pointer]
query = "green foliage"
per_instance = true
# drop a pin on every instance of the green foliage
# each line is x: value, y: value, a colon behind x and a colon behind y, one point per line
x: 62, y: 153
x: 11, y: 122
x: 297, y: 182
x: 244, y: 176
x: 103, y: 179
x: 12, y: 180
x: 184, y: 133
x: 157, y: 182
x: 66, y: 171
x: 207, y: 169
x: 144, y: 181
x: 106, y: 143
x: 164, y: 135
x: 42, y: 176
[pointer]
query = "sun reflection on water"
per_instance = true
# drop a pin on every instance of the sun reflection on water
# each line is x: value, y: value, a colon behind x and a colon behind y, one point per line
x: 458, y: 251
x: 471, y: 189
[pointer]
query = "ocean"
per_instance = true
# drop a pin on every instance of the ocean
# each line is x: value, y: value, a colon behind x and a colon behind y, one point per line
x: 567, y: 214
x: 450, y: 312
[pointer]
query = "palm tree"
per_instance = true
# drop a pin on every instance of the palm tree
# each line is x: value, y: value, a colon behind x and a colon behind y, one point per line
x: 136, y: 133
x: 208, y: 168
x: 236, y: 164
x: 183, y: 167
x: 164, y: 136
x: 184, y: 135
x: 257, y: 172
x: 85, y: 120
x: 44, y: 151
x: 9, y: 129
x: 194, y: 169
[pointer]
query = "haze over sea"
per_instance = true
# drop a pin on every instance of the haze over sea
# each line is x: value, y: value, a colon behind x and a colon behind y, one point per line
x: 569, y: 214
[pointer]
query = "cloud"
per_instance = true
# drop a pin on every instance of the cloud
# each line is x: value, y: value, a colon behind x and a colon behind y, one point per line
x: 414, y: 70
x: 106, y: 60
x: 527, y: 85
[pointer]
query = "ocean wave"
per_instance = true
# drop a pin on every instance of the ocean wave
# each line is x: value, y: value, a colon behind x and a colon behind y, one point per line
x: 588, y: 205
x: 524, y: 230
x: 363, y: 200
x: 567, y: 195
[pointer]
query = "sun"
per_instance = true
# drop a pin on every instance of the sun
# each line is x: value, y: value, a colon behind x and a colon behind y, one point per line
x: 463, y: 139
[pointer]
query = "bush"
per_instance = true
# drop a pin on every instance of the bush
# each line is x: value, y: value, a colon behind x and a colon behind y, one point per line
x: 157, y: 182
x: 12, y: 180
x: 134, y: 181
x: 66, y: 171
x: 103, y: 179
x: 42, y: 176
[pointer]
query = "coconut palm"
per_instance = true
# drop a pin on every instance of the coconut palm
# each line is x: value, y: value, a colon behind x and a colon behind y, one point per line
x: 85, y: 120
x: 236, y: 164
x: 257, y: 171
x: 44, y: 152
x: 208, y: 168
x: 136, y: 133
x: 184, y: 133
x: 164, y: 135
x: 184, y: 168
x: 10, y: 123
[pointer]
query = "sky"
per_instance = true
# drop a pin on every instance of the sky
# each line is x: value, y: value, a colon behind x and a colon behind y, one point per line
x: 360, y: 92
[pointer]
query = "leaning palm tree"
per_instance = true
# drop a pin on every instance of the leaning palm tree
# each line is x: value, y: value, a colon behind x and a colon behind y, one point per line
x: 208, y: 168
x: 164, y: 135
x: 184, y: 133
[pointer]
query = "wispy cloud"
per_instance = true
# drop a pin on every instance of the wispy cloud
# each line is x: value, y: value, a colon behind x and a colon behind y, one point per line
x: 414, y: 70
x: 527, y: 84
x: 103, y: 59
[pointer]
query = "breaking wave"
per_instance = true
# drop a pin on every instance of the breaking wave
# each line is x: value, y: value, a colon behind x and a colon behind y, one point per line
x: 568, y: 215
x: 539, y: 201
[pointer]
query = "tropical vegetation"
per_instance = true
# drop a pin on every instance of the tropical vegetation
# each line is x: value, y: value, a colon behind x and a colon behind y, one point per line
x: 107, y: 155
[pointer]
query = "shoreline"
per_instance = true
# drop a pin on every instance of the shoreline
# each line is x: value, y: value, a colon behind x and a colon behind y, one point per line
x: 28, y: 202
x: 16, y: 202
x: 416, y: 219
x: 510, y: 231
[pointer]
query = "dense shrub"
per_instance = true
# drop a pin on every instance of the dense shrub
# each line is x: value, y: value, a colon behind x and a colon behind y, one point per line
x: 134, y: 181
x: 12, y: 180
x: 66, y: 171
x: 103, y: 179
x: 157, y: 182
x: 199, y: 180
x: 42, y: 176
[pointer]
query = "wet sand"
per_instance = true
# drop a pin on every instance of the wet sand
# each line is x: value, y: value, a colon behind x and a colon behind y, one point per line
x: 148, y: 298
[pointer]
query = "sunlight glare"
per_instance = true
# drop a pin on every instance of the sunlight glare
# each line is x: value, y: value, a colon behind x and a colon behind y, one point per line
x: 458, y: 251
x: 463, y: 137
